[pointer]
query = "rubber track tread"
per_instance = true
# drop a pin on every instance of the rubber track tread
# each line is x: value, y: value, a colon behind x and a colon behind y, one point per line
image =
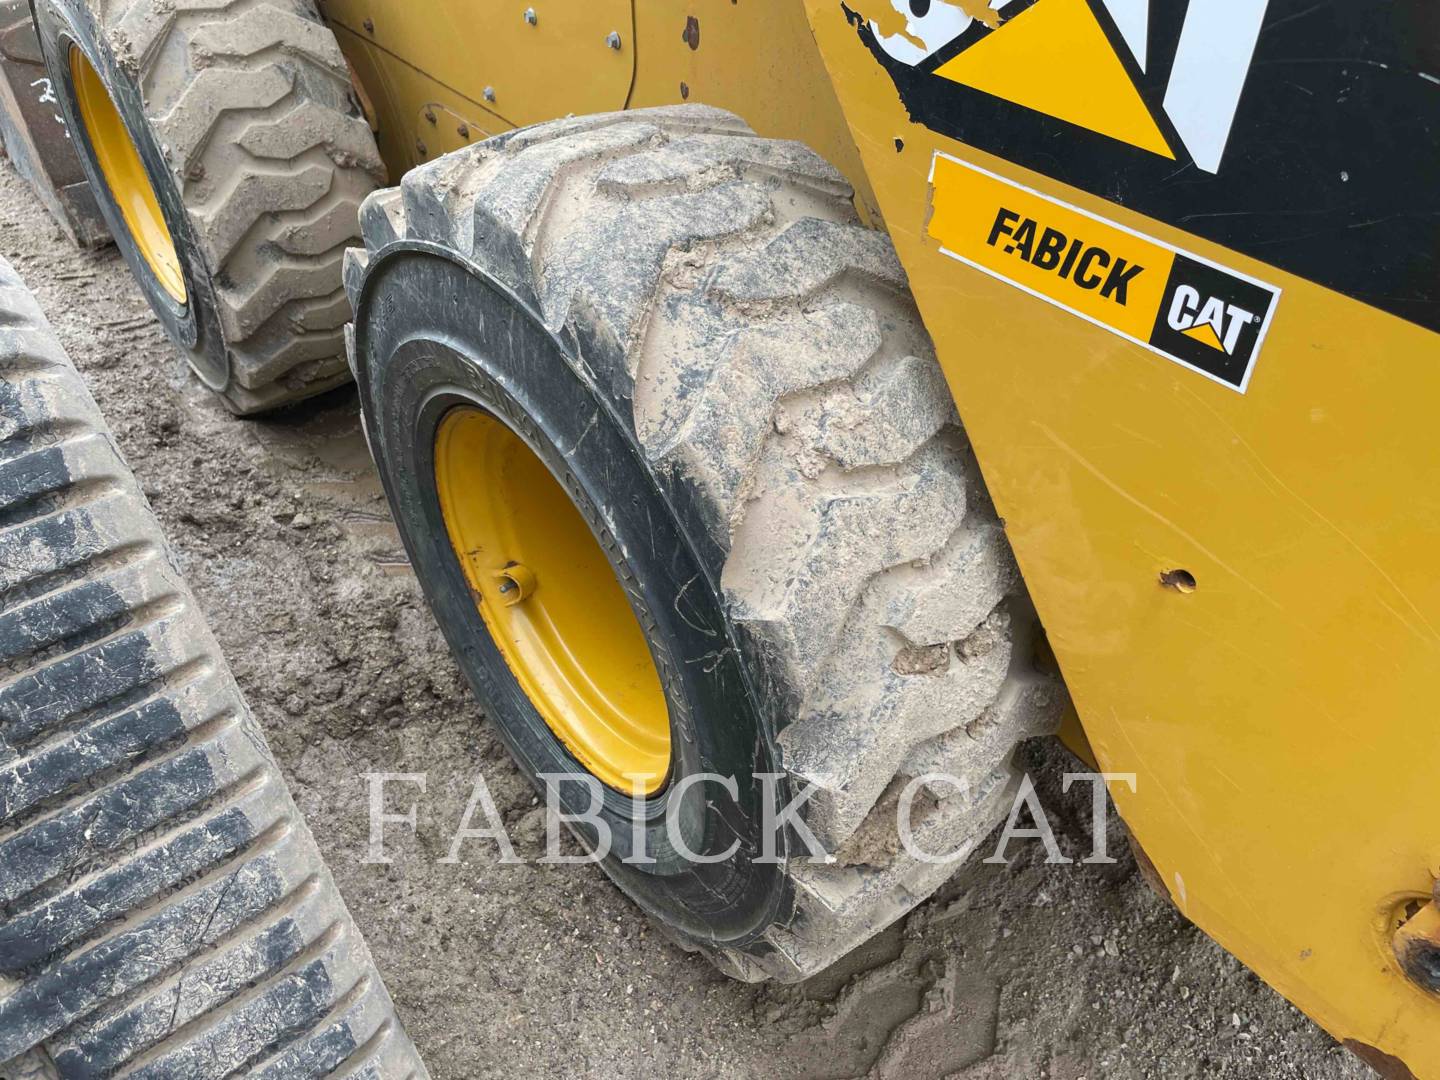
x: 163, y: 909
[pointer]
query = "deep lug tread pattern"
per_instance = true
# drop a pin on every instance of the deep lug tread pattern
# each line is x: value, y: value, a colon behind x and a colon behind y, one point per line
x: 253, y: 105
x: 163, y: 910
x: 719, y: 289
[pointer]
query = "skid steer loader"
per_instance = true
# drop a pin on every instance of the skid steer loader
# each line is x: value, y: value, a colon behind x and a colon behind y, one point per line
x: 660, y: 332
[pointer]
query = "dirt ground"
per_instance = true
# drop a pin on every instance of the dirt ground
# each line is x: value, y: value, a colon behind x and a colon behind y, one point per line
x: 1062, y: 972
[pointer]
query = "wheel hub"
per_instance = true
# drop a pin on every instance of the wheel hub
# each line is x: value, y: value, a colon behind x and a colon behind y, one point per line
x: 551, y: 601
x: 125, y: 175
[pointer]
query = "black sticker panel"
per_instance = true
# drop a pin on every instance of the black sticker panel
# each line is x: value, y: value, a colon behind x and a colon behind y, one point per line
x: 1309, y: 140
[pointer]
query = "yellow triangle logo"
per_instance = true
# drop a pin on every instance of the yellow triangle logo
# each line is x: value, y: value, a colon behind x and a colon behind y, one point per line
x: 1054, y: 58
x: 1205, y: 334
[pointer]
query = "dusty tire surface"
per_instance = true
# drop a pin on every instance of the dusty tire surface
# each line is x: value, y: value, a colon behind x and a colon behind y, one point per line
x: 245, y: 119
x: 165, y: 909
x: 760, y: 350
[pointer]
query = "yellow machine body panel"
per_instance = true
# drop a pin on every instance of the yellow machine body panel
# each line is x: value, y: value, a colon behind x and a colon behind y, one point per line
x: 447, y: 73
x: 1235, y: 569
x: 757, y: 60
x: 400, y: 100
x: 563, y: 60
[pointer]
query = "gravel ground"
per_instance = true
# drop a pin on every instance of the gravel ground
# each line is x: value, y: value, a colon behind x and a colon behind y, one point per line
x: 1029, y: 970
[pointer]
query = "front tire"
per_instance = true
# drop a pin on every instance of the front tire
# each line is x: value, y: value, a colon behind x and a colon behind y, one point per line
x: 229, y: 158
x: 733, y: 370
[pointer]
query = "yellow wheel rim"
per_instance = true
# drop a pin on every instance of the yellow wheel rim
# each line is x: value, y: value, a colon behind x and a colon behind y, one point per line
x: 125, y: 176
x: 552, y: 602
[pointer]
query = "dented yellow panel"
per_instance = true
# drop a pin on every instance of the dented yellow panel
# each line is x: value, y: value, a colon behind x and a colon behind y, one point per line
x: 1279, y: 716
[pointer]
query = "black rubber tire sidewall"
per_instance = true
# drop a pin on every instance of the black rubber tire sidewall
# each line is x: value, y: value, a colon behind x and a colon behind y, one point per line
x: 193, y: 325
x: 433, y: 332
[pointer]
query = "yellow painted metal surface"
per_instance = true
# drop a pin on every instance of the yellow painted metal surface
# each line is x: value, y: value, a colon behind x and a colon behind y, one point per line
x: 758, y: 60
x: 551, y: 602
x: 401, y: 94
x: 561, y: 63
x: 1270, y: 712
x: 125, y: 175
x: 1277, y: 716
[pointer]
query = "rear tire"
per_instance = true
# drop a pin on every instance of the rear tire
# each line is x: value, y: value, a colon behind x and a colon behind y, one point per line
x: 245, y: 122
x: 733, y: 371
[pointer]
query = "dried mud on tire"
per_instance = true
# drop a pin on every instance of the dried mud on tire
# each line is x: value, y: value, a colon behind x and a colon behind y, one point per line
x: 855, y: 602
x: 245, y: 118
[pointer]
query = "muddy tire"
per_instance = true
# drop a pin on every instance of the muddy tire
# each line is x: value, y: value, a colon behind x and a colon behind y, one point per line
x: 245, y: 123
x: 690, y: 324
x: 163, y: 909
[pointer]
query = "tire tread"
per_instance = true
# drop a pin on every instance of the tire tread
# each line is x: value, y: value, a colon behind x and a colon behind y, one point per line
x: 721, y: 291
x: 252, y: 103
